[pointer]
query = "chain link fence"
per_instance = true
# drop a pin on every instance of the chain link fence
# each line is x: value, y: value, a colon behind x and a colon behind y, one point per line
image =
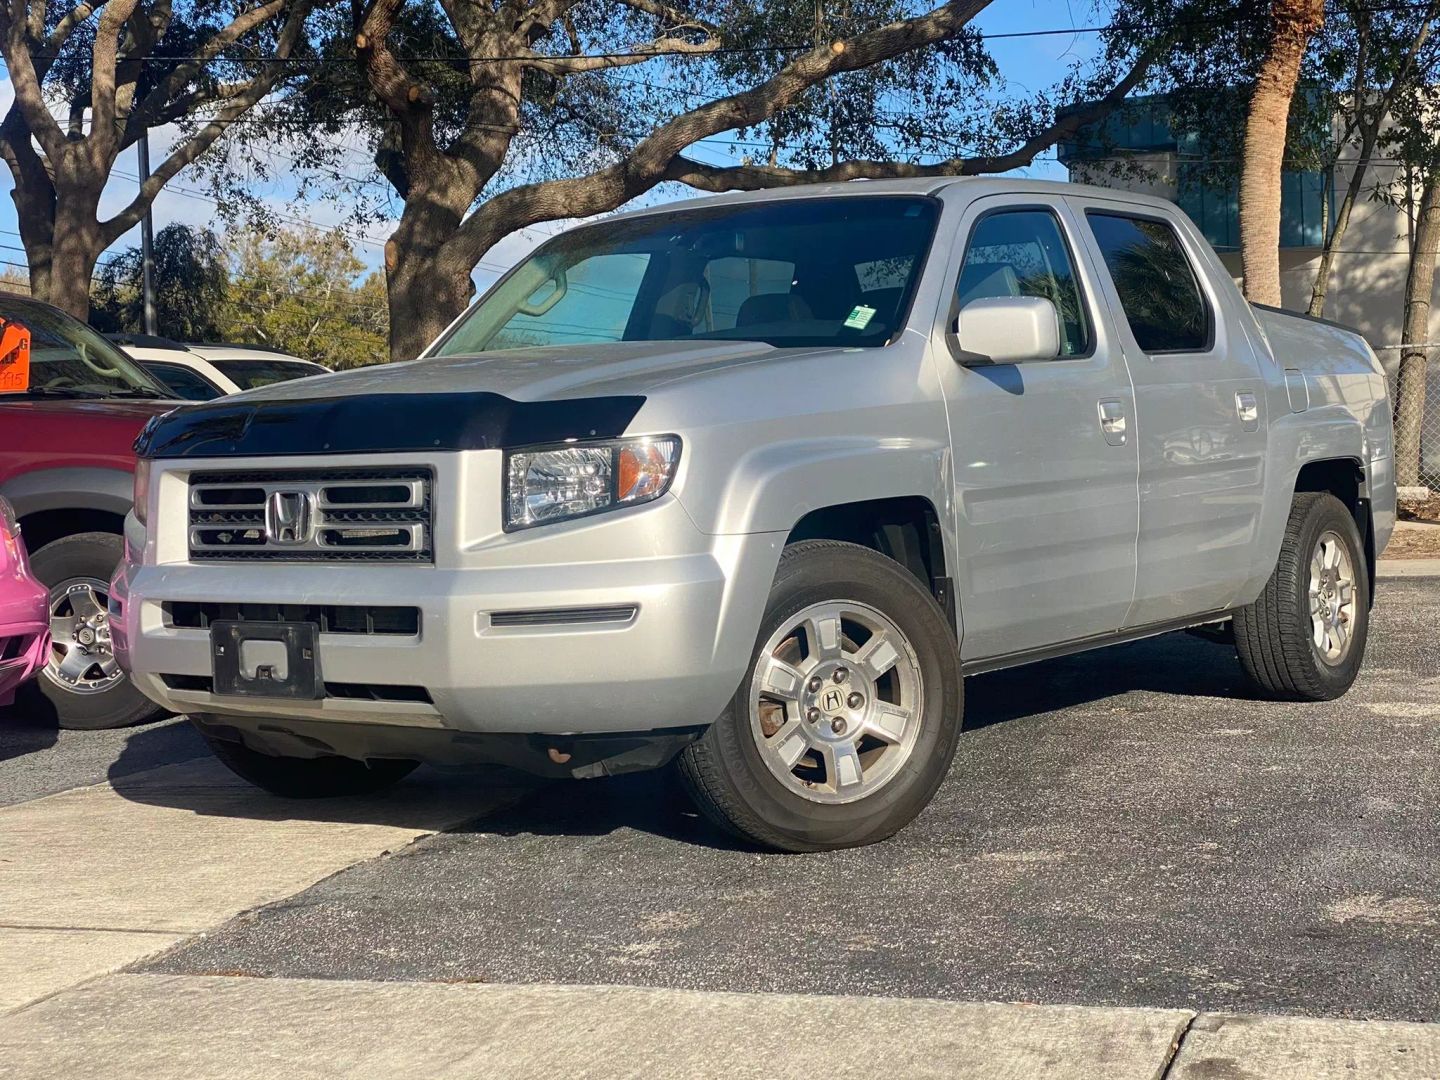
x: 1414, y: 377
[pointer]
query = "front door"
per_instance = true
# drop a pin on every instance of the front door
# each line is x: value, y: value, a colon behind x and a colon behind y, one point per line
x: 1044, y: 465
x: 1200, y: 410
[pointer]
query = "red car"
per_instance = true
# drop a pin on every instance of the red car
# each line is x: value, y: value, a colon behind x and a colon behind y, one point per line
x: 24, y: 611
x: 71, y: 405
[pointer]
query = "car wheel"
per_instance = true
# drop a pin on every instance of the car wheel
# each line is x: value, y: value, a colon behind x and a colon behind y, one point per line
x: 847, y: 719
x: 82, y: 686
x: 307, y: 778
x: 1304, y: 638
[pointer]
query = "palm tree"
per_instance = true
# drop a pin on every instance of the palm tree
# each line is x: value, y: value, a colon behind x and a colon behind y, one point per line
x: 1293, y: 22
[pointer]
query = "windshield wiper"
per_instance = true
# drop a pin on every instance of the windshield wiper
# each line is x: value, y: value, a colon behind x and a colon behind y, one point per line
x: 140, y: 392
x: 55, y: 392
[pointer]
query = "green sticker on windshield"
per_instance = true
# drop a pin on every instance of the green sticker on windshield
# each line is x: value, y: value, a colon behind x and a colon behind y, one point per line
x: 860, y: 317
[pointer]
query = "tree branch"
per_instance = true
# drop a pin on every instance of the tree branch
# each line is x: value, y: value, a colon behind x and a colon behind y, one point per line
x: 104, y: 54
x: 668, y: 15
x: 25, y: 80
x: 67, y: 24
x: 651, y: 159
x: 221, y: 40
x: 236, y: 106
x: 639, y: 54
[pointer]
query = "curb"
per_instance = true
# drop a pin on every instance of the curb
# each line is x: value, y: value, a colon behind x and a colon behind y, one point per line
x: 1407, y: 568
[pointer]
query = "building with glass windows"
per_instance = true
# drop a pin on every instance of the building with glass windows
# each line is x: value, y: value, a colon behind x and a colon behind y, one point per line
x: 1145, y: 148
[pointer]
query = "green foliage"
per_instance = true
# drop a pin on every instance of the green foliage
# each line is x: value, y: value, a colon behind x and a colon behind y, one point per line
x: 297, y: 291
x: 300, y: 291
x: 191, y: 282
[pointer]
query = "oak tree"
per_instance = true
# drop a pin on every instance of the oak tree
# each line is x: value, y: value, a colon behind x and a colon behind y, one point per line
x: 495, y: 117
x: 114, y: 70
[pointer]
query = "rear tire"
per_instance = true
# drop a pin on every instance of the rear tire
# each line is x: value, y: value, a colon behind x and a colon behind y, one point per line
x: 84, y: 562
x: 851, y: 724
x: 1304, y: 638
x: 308, y: 778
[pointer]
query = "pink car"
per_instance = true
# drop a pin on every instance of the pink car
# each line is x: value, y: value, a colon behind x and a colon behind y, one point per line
x: 24, y: 611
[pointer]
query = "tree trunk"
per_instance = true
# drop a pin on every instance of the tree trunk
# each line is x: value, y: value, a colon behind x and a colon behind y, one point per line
x: 1265, y: 131
x: 1342, y: 222
x: 426, y: 286
x: 1414, y: 362
x: 74, y: 251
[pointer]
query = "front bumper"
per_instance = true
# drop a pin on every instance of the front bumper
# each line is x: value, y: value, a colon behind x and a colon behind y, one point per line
x: 24, y: 629
x: 672, y: 663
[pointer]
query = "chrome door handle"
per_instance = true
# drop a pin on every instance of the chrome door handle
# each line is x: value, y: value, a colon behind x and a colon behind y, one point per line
x: 1112, y: 422
x: 1247, y: 407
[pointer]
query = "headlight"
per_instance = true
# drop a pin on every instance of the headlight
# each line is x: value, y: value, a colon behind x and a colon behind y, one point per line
x: 142, y: 490
x: 558, y: 483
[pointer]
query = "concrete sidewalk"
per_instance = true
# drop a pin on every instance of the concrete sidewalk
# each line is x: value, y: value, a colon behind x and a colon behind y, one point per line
x: 1408, y: 568
x: 98, y: 877
x: 175, y: 1027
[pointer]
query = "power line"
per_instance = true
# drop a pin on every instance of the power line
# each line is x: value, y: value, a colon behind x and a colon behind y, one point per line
x: 1118, y: 26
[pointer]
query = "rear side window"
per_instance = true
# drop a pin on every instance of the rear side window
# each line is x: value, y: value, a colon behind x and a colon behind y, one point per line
x: 190, y: 385
x: 1023, y: 253
x: 1155, y: 281
x: 250, y: 374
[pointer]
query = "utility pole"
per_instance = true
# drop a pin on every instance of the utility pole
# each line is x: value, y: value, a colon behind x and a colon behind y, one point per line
x: 147, y: 241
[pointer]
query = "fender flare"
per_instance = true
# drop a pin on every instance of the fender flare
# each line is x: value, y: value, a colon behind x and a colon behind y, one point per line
x: 79, y: 488
x: 771, y: 488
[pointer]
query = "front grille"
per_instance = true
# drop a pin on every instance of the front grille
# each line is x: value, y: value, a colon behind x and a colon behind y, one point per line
x: 330, y: 618
x: 312, y: 515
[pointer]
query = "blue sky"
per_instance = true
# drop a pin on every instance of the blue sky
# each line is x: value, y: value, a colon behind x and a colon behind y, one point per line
x: 1029, y: 63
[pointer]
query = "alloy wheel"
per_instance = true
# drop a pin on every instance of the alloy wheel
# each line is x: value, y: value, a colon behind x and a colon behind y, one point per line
x: 836, y: 702
x: 82, y: 660
x: 1331, y: 598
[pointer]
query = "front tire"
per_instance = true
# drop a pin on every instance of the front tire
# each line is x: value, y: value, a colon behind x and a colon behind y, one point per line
x: 1304, y: 638
x: 308, y: 778
x: 82, y: 687
x: 848, y: 716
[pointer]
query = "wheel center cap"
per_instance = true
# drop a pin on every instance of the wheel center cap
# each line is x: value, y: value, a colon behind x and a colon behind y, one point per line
x: 86, y: 636
x: 832, y: 700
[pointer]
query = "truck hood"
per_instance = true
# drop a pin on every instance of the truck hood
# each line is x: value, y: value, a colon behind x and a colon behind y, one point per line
x: 502, y: 400
x: 545, y: 374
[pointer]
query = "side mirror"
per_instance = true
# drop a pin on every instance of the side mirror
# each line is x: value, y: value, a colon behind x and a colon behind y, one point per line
x: 1006, y: 330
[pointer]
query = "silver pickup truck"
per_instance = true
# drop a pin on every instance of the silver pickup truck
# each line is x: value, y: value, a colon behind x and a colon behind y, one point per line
x: 752, y: 482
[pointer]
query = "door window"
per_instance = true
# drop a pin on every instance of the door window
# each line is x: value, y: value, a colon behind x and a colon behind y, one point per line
x: 190, y: 385
x: 1157, y: 285
x: 1024, y: 253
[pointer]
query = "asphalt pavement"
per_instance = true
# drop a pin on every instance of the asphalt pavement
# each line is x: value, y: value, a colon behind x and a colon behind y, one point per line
x: 1126, y: 827
x: 38, y: 759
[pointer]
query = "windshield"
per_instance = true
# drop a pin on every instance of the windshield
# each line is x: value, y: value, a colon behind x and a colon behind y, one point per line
x: 48, y: 353
x: 796, y: 272
x: 248, y: 374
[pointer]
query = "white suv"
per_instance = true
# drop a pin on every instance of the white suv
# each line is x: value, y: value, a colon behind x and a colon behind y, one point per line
x: 205, y: 372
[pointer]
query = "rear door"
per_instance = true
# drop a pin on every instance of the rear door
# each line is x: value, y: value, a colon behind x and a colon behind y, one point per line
x: 1199, y: 411
x: 1044, y: 470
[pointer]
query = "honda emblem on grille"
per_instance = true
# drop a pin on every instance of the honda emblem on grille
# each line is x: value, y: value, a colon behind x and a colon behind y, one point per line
x: 289, y: 517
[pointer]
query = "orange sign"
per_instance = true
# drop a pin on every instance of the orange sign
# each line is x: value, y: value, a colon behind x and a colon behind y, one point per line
x: 14, y: 358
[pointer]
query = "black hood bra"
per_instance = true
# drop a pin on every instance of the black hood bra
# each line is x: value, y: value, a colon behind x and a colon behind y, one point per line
x: 380, y: 423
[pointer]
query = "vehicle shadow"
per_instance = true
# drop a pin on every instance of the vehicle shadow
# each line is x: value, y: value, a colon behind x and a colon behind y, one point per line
x: 493, y: 799
x: 1182, y: 664
x: 25, y: 729
x: 429, y: 799
x: 653, y: 802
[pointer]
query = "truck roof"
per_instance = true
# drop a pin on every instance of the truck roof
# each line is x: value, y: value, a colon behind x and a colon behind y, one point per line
x: 930, y: 185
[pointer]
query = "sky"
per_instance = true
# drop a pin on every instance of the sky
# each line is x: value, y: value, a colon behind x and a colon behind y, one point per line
x: 1027, y: 63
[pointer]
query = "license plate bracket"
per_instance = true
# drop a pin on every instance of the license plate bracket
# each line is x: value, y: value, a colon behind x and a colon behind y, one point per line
x: 266, y: 659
